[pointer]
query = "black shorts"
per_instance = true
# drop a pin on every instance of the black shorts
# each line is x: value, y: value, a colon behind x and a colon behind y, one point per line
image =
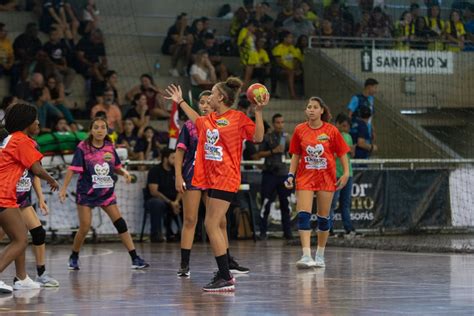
x: 221, y: 195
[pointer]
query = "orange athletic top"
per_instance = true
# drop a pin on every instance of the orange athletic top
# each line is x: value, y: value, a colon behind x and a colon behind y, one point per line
x: 17, y: 153
x: 219, y: 149
x: 316, y: 147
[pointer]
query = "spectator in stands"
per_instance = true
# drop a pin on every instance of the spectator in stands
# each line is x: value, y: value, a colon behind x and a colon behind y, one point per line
x: 261, y: 70
x: 57, y: 98
x: 302, y: 43
x: 91, y: 54
x: 247, y: 50
x: 26, y: 45
x: 225, y: 12
x: 61, y: 126
x: 206, y: 27
x: 202, y: 73
x: 8, y: 5
x: 423, y: 34
x: 130, y: 138
x: 285, y: 13
x: 179, y: 43
x: 415, y: 11
x: 298, y: 25
x: 24, y: 90
x: 261, y: 12
x: 197, y: 28
x: 327, y: 31
x: 47, y: 113
x: 154, y: 96
x: 241, y: 17
x: 469, y: 27
x: 90, y: 18
x: 111, y: 81
x: 288, y: 62
x: 6, y: 52
x: 111, y: 110
x: 363, y: 27
x: 380, y: 24
x: 455, y: 32
x: 54, y: 16
x: 309, y: 14
x: 362, y: 134
x: 148, y: 146
x: 208, y: 43
x: 437, y: 25
x: 274, y: 149
x: 405, y: 31
x: 6, y: 102
x: 165, y: 201
x: 58, y: 49
x: 139, y: 113
x: 341, y: 20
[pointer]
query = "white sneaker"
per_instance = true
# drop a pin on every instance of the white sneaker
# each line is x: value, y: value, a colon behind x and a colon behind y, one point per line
x: 305, y: 262
x: 5, y: 288
x: 46, y: 281
x: 26, y: 284
x: 174, y: 72
x: 319, y: 262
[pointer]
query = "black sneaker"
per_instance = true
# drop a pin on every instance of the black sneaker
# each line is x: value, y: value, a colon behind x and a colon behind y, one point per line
x: 218, y: 284
x: 184, y: 272
x: 235, y: 268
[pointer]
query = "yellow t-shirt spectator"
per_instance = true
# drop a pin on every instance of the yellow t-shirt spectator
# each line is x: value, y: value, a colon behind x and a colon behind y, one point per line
x: 6, y: 53
x: 247, y: 50
x: 460, y: 31
x: 263, y: 58
x: 288, y: 55
x: 435, y: 24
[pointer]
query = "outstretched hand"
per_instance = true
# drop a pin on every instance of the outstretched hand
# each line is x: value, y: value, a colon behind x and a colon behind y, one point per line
x: 174, y: 93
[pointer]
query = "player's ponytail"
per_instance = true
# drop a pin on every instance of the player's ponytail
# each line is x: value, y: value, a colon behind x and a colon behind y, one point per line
x: 326, y: 116
x: 17, y: 118
x: 230, y: 89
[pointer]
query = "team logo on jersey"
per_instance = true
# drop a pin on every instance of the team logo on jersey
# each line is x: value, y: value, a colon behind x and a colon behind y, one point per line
x: 24, y: 184
x: 323, y: 138
x: 108, y: 156
x: 222, y: 122
x: 101, y: 178
x: 314, y: 160
x: 212, y: 152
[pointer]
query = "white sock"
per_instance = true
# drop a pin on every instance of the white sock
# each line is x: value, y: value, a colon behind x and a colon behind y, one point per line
x: 307, y: 252
x: 320, y: 251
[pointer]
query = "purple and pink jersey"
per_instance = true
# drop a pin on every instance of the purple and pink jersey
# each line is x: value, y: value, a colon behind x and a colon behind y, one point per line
x: 96, y: 168
x: 188, y: 140
x: 23, y: 189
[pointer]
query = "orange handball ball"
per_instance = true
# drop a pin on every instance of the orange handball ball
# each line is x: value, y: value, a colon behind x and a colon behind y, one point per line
x: 258, y: 92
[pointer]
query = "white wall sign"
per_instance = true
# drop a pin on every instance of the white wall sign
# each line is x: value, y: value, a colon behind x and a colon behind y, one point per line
x: 407, y: 62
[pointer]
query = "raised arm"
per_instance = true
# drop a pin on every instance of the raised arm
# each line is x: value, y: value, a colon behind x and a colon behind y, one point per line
x: 176, y: 95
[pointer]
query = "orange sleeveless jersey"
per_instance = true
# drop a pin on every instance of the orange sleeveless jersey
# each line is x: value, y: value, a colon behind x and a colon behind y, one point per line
x: 17, y: 153
x: 219, y: 150
x: 316, y: 147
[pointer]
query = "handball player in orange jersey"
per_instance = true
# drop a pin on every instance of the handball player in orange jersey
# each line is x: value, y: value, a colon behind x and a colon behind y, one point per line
x: 217, y: 165
x: 313, y: 167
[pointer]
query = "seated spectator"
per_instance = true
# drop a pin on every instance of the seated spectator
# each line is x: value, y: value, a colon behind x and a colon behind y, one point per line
x: 247, y: 50
x: 111, y: 110
x: 468, y: 15
x: 288, y: 61
x: 225, y: 12
x: 24, y: 90
x: 41, y: 64
x: 130, y: 138
x: 423, y: 34
x: 111, y: 81
x: 327, y: 31
x: 179, y: 43
x: 163, y: 202
x: 380, y: 24
x: 415, y: 11
x: 53, y: 16
x: 437, y: 25
x: 90, y: 18
x: 8, y: 5
x: 285, y: 13
x: 6, y: 102
x: 25, y: 48
x: 208, y: 43
x: 455, y: 32
x: 91, y: 55
x: 309, y: 14
x: 72, y: 10
x: 139, y: 114
x: 61, y: 125
x: 261, y: 70
x: 154, y: 96
x: 363, y: 27
x: 302, y: 43
x: 298, y: 25
x: 148, y: 146
x: 202, y: 73
x: 261, y: 12
x: 58, y: 49
x: 241, y: 17
x: 206, y: 27
x: 361, y: 134
x: 57, y: 98
x: 341, y: 20
x: 6, y: 52
x: 47, y: 113
x: 197, y: 30
x: 405, y: 31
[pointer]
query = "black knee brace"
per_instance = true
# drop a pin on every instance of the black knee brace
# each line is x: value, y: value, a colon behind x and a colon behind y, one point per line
x: 121, y: 225
x: 38, y: 235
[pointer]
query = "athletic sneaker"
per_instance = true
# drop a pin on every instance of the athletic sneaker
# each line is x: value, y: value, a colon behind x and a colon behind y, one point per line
x: 26, y: 284
x: 5, y: 288
x: 234, y: 267
x: 218, y: 284
x: 184, y: 272
x: 73, y: 263
x: 139, y: 263
x: 305, y: 262
x: 46, y: 281
x: 319, y: 262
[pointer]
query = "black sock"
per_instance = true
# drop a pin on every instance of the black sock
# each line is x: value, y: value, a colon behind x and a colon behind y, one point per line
x: 133, y: 254
x: 75, y: 255
x: 40, y: 270
x: 223, y: 265
x: 228, y: 254
x: 185, y: 254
